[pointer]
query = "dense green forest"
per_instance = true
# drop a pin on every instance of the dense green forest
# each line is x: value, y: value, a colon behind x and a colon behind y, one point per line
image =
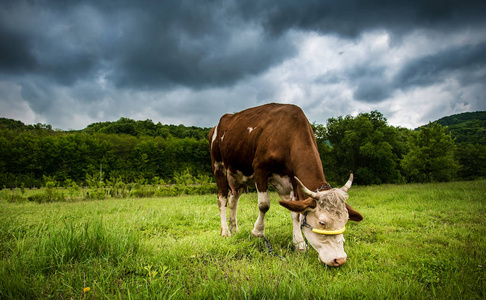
x: 125, y: 149
x: 466, y: 128
x: 453, y: 148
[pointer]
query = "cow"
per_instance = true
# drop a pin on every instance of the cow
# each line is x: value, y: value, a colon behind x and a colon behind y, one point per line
x: 275, y: 144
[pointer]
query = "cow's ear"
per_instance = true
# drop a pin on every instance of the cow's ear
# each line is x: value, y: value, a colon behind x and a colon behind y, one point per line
x: 354, y: 215
x: 299, y: 206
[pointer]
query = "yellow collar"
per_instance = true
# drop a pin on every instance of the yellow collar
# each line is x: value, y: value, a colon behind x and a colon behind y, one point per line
x: 329, y: 232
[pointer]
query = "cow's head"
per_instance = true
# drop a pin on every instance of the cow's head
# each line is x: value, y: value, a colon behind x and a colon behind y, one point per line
x: 324, y: 216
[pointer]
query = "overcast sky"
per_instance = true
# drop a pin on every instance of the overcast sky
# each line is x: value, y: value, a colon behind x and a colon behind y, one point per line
x: 72, y: 63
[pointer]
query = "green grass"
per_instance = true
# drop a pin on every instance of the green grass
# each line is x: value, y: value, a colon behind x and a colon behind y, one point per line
x: 416, y: 242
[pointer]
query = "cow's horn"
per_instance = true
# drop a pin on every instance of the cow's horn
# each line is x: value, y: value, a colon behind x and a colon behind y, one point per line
x: 348, y: 184
x: 306, y: 190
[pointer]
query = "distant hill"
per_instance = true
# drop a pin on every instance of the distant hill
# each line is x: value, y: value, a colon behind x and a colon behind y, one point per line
x: 147, y: 128
x: 122, y: 126
x: 466, y: 128
x: 12, y: 124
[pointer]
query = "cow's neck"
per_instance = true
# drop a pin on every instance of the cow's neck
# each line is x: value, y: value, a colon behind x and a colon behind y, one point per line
x: 306, y: 162
x: 312, y: 176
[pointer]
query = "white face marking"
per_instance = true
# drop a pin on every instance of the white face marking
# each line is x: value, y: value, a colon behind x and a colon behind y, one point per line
x: 223, y: 136
x: 329, y: 247
x: 250, y: 129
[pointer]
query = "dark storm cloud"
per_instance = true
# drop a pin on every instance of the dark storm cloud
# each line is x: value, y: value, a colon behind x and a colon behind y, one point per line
x: 42, y: 41
x: 18, y: 60
x: 92, y: 51
x: 192, y: 43
x: 138, y: 43
x: 351, y: 18
x: 371, y: 85
x: 434, y: 68
x: 176, y: 56
x: 459, y: 62
x: 372, y: 89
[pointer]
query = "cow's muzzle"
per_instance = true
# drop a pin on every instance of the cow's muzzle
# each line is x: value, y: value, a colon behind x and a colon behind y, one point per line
x: 337, y: 262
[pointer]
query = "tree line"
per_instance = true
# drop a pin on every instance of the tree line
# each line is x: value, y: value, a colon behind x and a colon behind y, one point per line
x: 124, y: 150
x: 380, y: 153
x: 128, y: 150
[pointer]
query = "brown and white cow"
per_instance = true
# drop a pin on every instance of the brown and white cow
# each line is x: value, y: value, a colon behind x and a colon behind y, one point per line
x: 274, y: 144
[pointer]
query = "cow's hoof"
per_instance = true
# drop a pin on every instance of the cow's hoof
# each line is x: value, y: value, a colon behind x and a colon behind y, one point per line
x: 301, y: 247
x: 234, y: 229
x: 225, y: 232
x: 257, y: 233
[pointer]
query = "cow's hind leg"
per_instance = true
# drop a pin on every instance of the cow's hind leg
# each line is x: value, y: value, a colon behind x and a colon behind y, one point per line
x: 222, y: 183
x: 233, y: 206
x: 263, y: 206
x: 222, y: 202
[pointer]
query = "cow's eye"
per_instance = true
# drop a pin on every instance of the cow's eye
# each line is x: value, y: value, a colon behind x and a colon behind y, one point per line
x: 322, y: 223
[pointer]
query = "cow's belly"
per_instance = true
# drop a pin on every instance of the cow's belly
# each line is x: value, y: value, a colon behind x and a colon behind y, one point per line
x: 237, y: 180
x: 282, y: 184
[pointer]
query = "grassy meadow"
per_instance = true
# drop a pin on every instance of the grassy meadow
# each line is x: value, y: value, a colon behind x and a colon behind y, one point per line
x: 418, y: 241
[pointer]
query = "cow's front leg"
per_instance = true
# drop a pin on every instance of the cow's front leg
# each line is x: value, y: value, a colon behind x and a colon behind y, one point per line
x: 298, y: 239
x: 222, y: 202
x: 233, y: 206
x: 263, y: 206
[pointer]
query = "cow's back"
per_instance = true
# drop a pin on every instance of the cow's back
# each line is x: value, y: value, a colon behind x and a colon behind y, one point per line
x: 264, y: 135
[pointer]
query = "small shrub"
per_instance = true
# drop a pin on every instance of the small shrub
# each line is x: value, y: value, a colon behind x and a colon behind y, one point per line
x: 73, y: 188
x: 184, y: 177
x: 95, y: 194
x: 48, y: 196
x: 15, y: 198
x: 39, y: 198
x: 141, y: 193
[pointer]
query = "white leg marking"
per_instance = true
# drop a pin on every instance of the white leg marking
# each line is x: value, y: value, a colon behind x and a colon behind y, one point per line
x: 233, y: 206
x: 222, y: 212
x: 286, y: 192
x: 298, y: 239
x: 263, y: 206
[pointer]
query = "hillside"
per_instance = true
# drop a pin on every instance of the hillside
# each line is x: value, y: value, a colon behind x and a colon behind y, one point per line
x: 122, y: 126
x: 147, y: 128
x: 466, y: 128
